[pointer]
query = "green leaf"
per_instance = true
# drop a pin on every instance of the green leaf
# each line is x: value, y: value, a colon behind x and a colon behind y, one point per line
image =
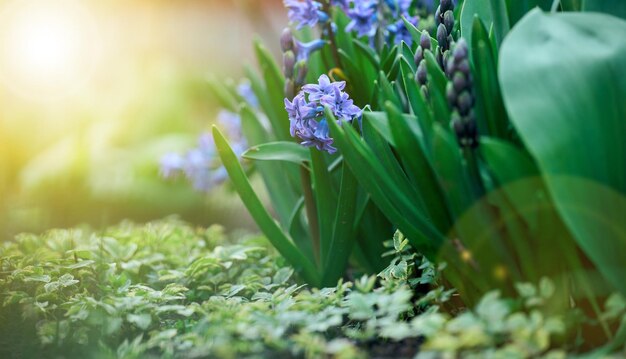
x: 517, y: 9
x: 278, y: 151
x: 611, y: 7
x: 566, y: 102
x: 343, y: 229
x: 262, y: 218
x: 495, y: 120
x: 325, y: 200
x: 419, y: 168
x: 384, y: 191
x: 142, y: 321
x: 274, y: 85
x: 437, y: 80
x: 224, y: 97
x: 417, y: 101
x: 276, y: 175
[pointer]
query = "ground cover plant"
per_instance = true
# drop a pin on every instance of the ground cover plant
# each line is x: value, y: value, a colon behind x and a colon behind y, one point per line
x: 126, y: 292
x: 481, y: 129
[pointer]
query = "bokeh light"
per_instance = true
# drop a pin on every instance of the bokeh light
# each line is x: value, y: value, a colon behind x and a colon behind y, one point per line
x: 48, y: 48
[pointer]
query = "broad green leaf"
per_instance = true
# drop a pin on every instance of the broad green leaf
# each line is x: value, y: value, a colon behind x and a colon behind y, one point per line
x: 567, y: 103
x: 278, y: 151
x: 263, y: 219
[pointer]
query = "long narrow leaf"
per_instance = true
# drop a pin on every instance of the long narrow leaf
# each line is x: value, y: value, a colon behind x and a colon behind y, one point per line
x: 266, y: 223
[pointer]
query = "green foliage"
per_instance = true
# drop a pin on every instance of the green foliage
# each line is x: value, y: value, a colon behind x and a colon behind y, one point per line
x: 577, y: 150
x: 127, y: 291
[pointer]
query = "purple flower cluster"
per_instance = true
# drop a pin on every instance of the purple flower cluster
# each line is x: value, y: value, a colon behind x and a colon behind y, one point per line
x: 305, y: 12
x: 201, y: 165
x: 306, y: 112
x: 364, y: 18
x: 368, y: 16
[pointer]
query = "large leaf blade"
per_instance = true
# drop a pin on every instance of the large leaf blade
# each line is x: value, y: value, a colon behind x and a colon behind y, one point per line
x: 566, y: 102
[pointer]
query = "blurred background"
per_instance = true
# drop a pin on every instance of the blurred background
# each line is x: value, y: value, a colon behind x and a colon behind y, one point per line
x: 93, y: 93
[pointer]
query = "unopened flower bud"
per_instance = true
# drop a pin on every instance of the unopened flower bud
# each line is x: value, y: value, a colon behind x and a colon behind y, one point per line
x: 459, y: 81
x: 425, y: 40
x: 448, y: 20
x: 289, y: 62
x: 446, y: 5
x: 289, y: 89
x: 422, y: 73
x: 286, y: 40
x: 442, y: 36
x: 424, y: 89
x: 419, y: 55
x: 451, y: 94
x: 302, y: 70
x: 464, y: 67
x: 465, y: 103
x: 438, y: 18
x: 460, y: 50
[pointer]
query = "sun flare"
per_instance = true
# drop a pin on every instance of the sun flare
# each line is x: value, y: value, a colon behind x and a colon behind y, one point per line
x: 47, y: 47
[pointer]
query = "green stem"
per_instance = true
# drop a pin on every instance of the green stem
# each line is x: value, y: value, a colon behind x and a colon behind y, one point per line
x: 331, y: 36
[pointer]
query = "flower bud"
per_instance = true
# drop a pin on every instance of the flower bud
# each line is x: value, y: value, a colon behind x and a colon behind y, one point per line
x: 289, y: 89
x: 422, y: 73
x: 465, y: 103
x: 286, y: 40
x: 464, y: 67
x: 419, y: 55
x: 302, y: 70
x: 459, y: 81
x: 438, y: 18
x: 425, y: 40
x: 446, y: 5
x: 460, y: 50
x: 442, y: 36
x: 451, y: 94
x: 448, y: 21
x: 289, y: 62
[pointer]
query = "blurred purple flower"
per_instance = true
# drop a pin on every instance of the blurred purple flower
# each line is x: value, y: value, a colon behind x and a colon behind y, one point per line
x: 245, y: 91
x: 399, y: 32
x: 364, y: 18
x: 399, y: 6
x: 305, y: 12
x: 171, y: 165
x: 304, y: 49
x: 343, y: 4
x: 201, y: 165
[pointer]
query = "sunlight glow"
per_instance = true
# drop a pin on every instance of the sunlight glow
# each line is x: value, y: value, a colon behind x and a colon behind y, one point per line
x: 48, y: 48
